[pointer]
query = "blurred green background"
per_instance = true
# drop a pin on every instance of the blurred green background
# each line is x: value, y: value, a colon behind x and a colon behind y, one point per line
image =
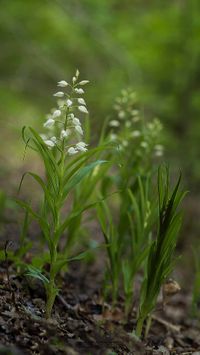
x: 153, y: 46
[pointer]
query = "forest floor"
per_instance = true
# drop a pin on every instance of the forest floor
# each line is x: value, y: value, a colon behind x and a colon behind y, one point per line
x: 81, y: 323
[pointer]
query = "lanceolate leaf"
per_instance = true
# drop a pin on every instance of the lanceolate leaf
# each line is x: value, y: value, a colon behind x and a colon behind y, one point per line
x: 37, y: 274
x: 42, y: 222
x: 80, y: 174
x: 47, y: 193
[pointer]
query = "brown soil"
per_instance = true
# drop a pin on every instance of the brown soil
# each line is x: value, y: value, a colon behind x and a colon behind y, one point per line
x: 81, y: 323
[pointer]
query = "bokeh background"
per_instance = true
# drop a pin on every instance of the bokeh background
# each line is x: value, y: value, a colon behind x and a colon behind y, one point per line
x: 152, y: 46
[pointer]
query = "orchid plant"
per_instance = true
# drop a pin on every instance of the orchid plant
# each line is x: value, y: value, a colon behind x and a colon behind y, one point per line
x: 65, y: 156
x: 137, y: 150
x: 129, y: 237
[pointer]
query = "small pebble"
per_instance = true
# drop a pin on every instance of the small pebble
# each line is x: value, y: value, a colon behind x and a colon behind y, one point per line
x: 169, y: 343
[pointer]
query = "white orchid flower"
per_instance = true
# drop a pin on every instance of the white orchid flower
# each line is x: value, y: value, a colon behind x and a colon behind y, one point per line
x: 72, y: 151
x: 49, y: 123
x: 135, y: 134
x: 69, y: 102
x: 84, y: 82
x: 57, y: 113
x: 65, y: 133
x: 59, y: 94
x: 81, y: 101
x: 79, y: 129
x: 82, y: 146
x: 76, y: 121
x: 83, y: 109
x: 79, y: 91
x: 62, y: 83
x: 49, y: 143
x: 114, y: 123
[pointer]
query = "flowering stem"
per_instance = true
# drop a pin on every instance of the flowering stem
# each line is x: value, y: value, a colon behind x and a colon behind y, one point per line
x: 51, y: 289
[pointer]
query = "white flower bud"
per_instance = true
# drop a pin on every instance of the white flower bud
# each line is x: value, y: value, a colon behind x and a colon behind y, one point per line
x: 56, y: 113
x: 114, y: 123
x: 136, y: 118
x: 134, y: 112
x: 121, y: 114
x: 76, y: 121
x: 43, y: 136
x: 135, y: 134
x: 83, y: 109
x: 113, y: 136
x: 158, y: 150
x: 62, y: 83
x: 158, y: 147
x: 81, y: 101
x: 53, y: 139
x: 49, y: 123
x: 144, y: 144
x: 65, y: 133
x: 74, y: 79
x: 69, y: 103
x: 84, y: 82
x: 158, y: 153
x: 124, y: 143
x: 72, y: 151
x: 77, y: 73
x: 59, y: 94
x: 79, y: 91
x: 79, y: 129
x: 81, y: 146
x: 49, y: 143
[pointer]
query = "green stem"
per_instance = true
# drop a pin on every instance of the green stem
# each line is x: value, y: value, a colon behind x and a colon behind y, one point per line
x: 139, y: 326
x: 51, y: 295
x: 128, y: 303
x: 148, y: 325
x: 51, y: 290
x: 114, y: 290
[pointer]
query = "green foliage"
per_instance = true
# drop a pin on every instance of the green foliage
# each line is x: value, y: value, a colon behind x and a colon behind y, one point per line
x: 37, y: 274
x: 55, y: 191
x: 113, y: 245
x: 76, y: 179
x: 136, y: 155
x: 141, y: 219
x: 160, y: 258
x: 154, y: 46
